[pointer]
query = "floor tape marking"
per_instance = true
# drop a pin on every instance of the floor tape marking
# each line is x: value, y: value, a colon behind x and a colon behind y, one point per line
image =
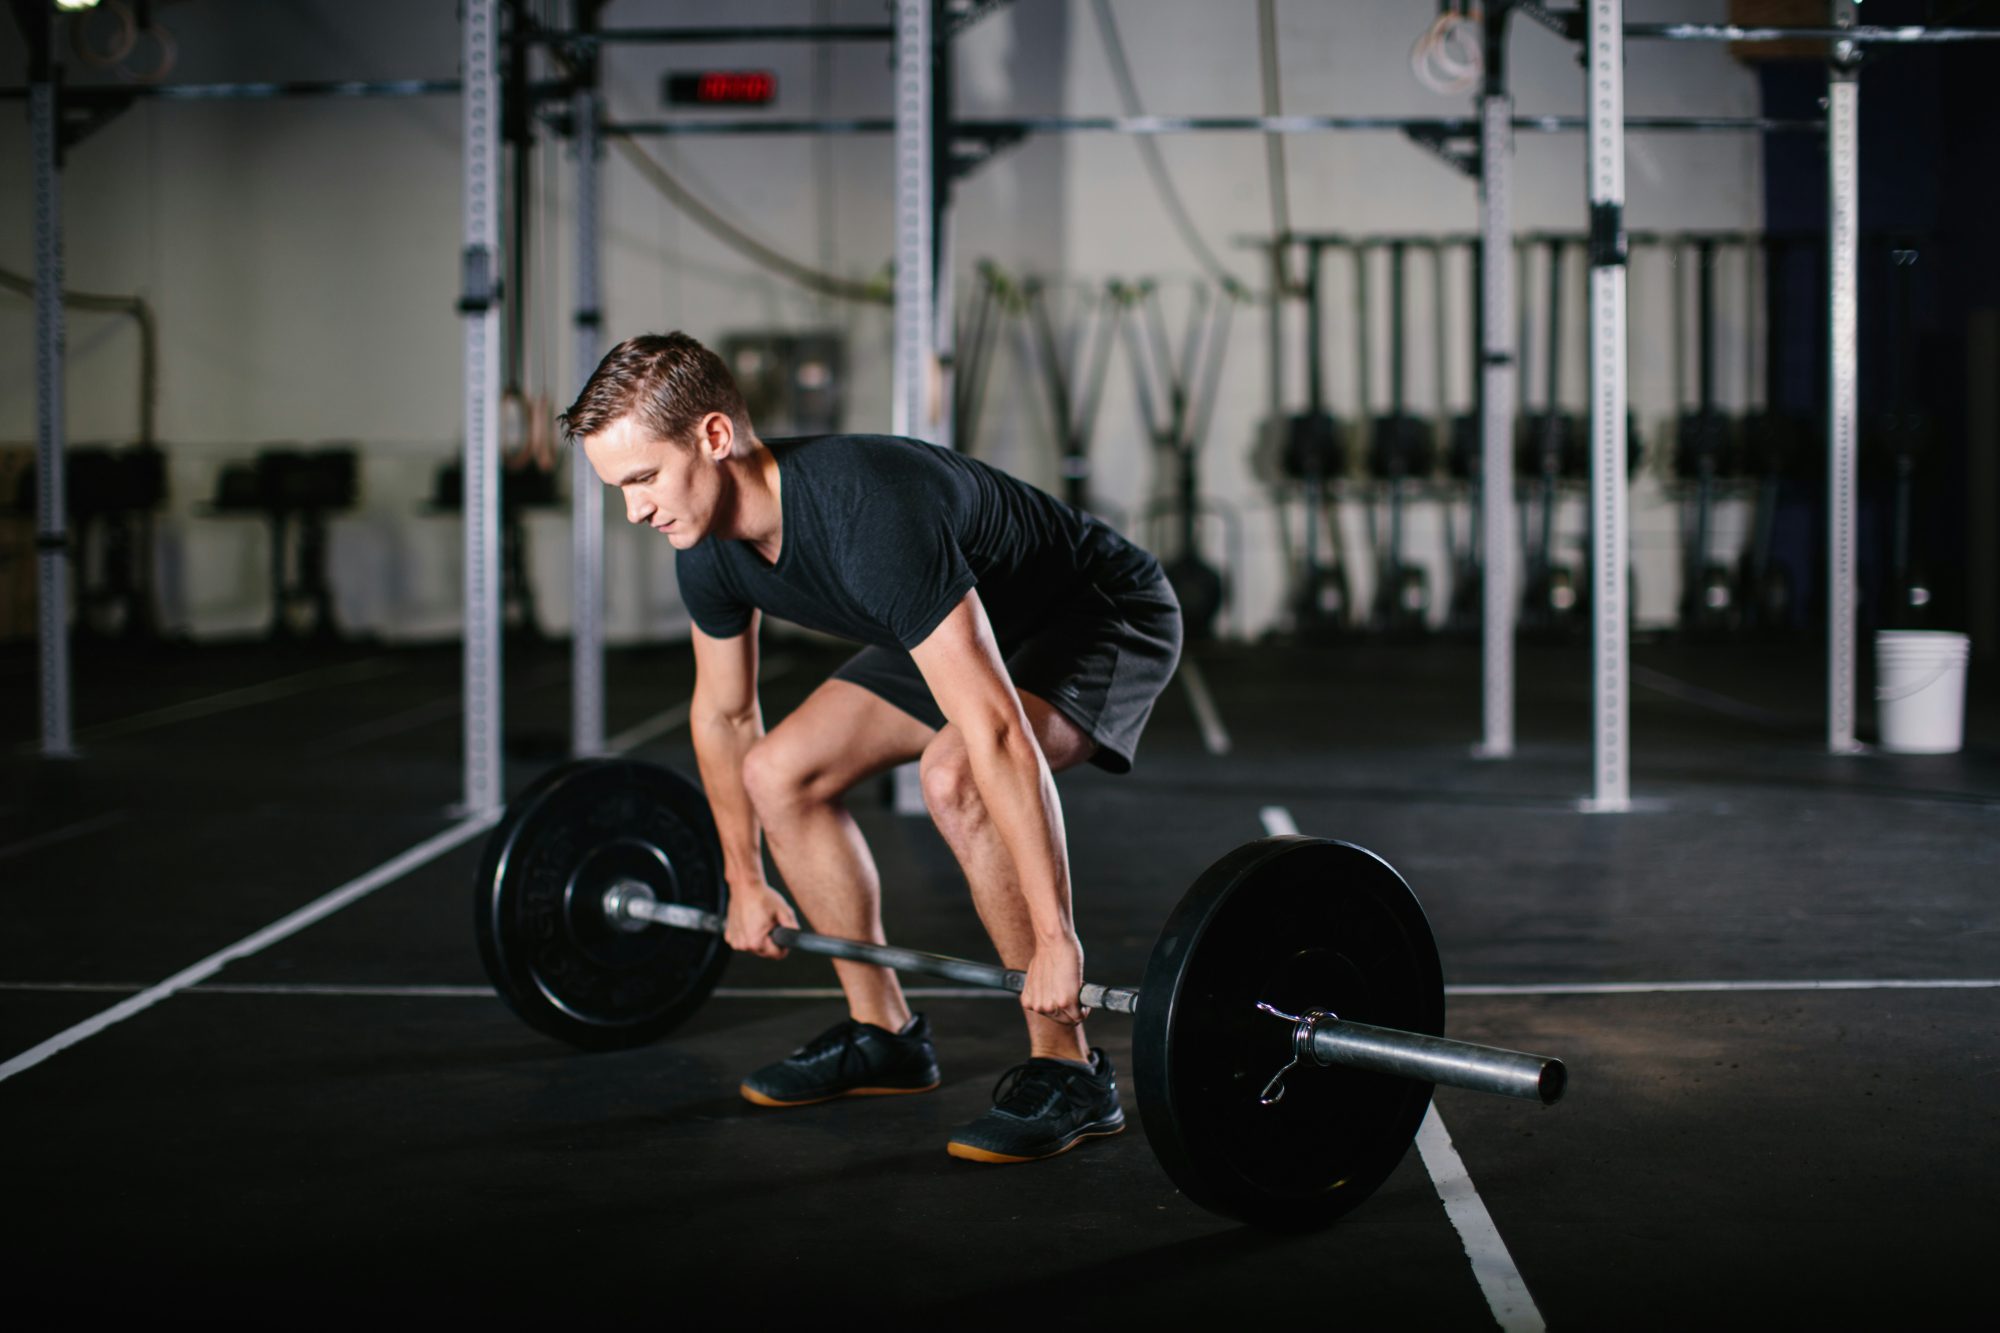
x: 664, y: 721
x: 444, y: 991
x: 1492, y: 1266
x: 1213, y: 734
x: 325, y: 905
x: 347, y: 673
x: 1674, y: 688
x: 63, y: 834
x: 1277, y: 821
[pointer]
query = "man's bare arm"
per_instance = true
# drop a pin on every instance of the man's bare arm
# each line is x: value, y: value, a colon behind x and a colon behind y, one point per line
x: 726, y: 720
x: 961, y: 663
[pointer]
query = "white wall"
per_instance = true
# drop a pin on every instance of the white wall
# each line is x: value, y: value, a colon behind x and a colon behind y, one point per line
x: 302, y: 256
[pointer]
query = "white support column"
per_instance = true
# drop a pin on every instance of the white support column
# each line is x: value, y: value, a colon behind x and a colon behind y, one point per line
x: 586, y: 492
x: 942, y: 430
x: 1610, y: 498
x: 916, y: 248
x: 1496, y: 425
x: 51, y: 512
x: 944, y: 235
x: 479, y: 304
x: 921, y: 393
x: 1843, y: 178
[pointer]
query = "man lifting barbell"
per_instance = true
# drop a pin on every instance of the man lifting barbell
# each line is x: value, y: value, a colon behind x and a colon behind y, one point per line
x: 1006, y: 636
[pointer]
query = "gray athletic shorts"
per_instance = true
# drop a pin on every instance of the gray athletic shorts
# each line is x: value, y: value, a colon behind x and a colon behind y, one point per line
x: 1101, y: 661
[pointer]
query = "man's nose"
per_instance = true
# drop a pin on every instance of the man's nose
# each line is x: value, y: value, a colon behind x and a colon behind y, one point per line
x: 637, y: 507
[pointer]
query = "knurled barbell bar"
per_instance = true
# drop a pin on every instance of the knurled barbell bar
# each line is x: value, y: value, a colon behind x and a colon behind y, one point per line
x: 1288, y: 951
x: 1324, y: 1038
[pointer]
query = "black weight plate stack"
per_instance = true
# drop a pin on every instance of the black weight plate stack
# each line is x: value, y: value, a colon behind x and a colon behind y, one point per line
x: 539, y: 903
x: 1298, y: 923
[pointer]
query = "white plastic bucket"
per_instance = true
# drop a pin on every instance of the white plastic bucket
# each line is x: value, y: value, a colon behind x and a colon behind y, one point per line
x: 1920, y: 690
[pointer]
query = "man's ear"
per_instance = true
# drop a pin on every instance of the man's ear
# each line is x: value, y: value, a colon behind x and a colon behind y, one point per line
x: 717, y: 435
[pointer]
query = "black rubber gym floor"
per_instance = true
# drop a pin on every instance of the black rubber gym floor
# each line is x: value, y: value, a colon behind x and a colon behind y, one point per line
x: 347, y: 1124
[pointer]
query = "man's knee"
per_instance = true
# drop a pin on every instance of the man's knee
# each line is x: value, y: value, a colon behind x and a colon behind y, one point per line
x: 779, y: 779
x: 949, y: 790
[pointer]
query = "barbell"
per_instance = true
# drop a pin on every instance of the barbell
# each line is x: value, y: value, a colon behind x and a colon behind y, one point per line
x: 1289, y: 1026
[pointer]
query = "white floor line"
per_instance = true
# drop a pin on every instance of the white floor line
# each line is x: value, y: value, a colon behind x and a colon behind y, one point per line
x: 1213, y: 734
x: 1492, y: 1266
x: 652, y: 728
x: 347, y: 673
x: 835, y: 993
x: 359, y: 990
x: 441, y: 991
x: 63, y: 834
x: 1710, y: 987
x: 1675, y: 688
x: 428, y: 850
x: 437, y: 710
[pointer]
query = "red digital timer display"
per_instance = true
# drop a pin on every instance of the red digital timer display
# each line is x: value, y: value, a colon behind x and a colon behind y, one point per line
x: 723, y: 87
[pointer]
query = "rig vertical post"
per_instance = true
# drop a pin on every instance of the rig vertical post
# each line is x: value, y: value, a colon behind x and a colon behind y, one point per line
x: 1843, y: 235
x: 1497, y: 354
x: 52, y: 536
x: 479, y: 304
x: 1610, y: 499
x: 586, y: 492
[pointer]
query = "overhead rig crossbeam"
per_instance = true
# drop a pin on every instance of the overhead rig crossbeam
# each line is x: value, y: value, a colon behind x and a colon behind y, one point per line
x: 1912, y: 35
x: 85, y: 109
x: 1569, y: 23
x: 957, y: 17
x: 1439, y: 127
x: 709, y: 36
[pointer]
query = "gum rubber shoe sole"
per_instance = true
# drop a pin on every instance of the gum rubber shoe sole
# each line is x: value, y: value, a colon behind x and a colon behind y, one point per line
x: 965, y: 1152
x: 757, y: 1098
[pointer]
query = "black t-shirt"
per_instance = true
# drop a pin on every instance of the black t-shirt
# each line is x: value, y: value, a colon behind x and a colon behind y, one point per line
x: 884, y: 536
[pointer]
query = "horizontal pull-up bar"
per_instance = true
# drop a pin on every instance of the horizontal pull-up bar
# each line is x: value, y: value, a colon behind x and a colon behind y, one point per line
x: 90, y: 94
x: 1569, y: 23
x: 1012, y: 128
x: 1727, y: 32
x: 835, y: 32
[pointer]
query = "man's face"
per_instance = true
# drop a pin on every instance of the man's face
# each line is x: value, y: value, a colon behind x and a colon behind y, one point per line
x: 671, y: 488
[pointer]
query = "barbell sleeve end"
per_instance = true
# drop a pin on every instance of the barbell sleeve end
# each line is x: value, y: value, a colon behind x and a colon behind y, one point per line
x: 1440, y: 1060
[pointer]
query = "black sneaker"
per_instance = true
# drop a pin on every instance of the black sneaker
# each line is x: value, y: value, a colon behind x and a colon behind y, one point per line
x: 1042, y: 1108
x: 849, y: 1059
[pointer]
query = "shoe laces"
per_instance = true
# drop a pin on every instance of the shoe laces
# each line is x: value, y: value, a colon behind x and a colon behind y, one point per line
x: 841, y: 1036
x: 1030, y: 1086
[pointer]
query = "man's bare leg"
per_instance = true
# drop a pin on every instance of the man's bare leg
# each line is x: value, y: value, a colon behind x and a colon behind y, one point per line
x: 797, y: 777
x: 989, y: 868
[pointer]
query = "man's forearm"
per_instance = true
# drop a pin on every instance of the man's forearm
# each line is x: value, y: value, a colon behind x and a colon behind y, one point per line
x: 720, y: 743
x: 1020, y: 795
